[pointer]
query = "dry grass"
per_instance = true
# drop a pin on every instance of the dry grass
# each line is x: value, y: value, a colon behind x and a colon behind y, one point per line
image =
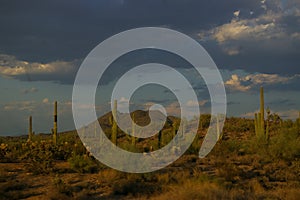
x: 190, y: 189
x: 239, y: 168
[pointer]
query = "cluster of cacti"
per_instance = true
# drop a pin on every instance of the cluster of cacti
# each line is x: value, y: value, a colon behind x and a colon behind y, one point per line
x: 259, y: 119
x: 113, y: 122
x: 53, y: 130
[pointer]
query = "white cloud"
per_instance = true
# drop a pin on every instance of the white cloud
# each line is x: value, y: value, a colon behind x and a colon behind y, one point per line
x: 267, y: 78
x: 173, y: 109
x: 249, y: 114
x: 11, y: 66
x: 123, y: 100
x: 289, y: 114
x: 232, y: 51
x: 31, y: 90
x: 20, y: 106
x: 235, y: 83
x: 236, y: 13
x: 46, y: 101
x: 286, y: 114
x: 245, y: 83
x: 192, y: 103
x: 270, y: 26
x: 246, y: 29
x: 231, y: 36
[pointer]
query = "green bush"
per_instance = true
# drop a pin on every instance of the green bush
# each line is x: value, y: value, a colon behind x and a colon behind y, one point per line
x: 286, y: 144
x: 39, y: 157
x: 61, y: 186
x: 83, y: 164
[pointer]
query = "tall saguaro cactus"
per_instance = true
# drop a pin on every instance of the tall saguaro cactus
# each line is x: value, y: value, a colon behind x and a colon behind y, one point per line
x: 159, y: 141
x: 133, y: 138
x: 259, y: 119
x: 262, y: 108
x: 174, y: 128
x: 114, y: 128
x: 54, y: 130
x: 30, y: 133
x: 219, y: 133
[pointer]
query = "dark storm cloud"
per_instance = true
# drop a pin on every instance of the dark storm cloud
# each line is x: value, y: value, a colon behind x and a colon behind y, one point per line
x: 46, y: 31
x: 266, y: 43
x: 43, y: 31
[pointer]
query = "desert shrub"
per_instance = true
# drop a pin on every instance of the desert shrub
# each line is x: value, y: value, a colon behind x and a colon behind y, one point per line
x: 228, y: 148
x: 63, y: 151
x: 3, y: 151
x: 134, y: 187
x: 78, y: 149
x: 107, y: 175
x: 229, y: 171
x: 192, y: 189
x: 10, y: 152
x: 129, y: 147
x: 204, y: 121
x: 61, y: 186
x: 83, y: 164
x: 287, y: 123
x: 258, y: 146
x: 39, y: 158
x: 234, y: 124
x: 195, y: 146
x: 286, y: 144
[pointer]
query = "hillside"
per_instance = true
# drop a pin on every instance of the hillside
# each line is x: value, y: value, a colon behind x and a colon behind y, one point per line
x: 241, y: 166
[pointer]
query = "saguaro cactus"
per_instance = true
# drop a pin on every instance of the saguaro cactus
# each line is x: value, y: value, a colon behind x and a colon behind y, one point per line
x: 159, y: 144
x: 95, y: 129
x: 259, y: 119
x: 262, y: 108
x: 174, y: 128
x: 219, y: 132
x: 133, y: 138
x: 30, y: 133
x: 114, y: 128
x: 54, y: 130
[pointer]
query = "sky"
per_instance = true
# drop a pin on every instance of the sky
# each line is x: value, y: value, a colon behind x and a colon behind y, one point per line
x: 254, y: 43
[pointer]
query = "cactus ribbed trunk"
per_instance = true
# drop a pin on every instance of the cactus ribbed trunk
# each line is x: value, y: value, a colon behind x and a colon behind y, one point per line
x: 114, y: 128
x: 159, y: 139
x: 133, y: 138
x: 256, y: 124
x: 260, y: 129
x: 30, y: 129
x: 55, y: 123
x: 183, y: 129
x: 259, y: 119
x: 219, y: 134
x: 262, y: 109
x: 174, y: 129
x: 95, y: 129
